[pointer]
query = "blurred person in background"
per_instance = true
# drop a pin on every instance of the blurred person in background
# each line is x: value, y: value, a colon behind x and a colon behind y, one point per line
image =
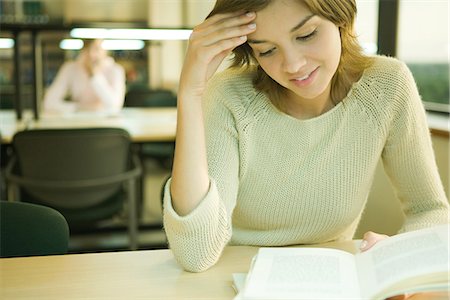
x: 94, y: 82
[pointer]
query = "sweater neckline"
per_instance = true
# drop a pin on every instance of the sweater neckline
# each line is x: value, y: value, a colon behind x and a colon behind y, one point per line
x: 328, y: 114
x: 288, y: 117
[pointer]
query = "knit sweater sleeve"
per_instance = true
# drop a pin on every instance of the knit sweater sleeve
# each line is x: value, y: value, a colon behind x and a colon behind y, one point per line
x: 197, y: 239
x: 408, y: 157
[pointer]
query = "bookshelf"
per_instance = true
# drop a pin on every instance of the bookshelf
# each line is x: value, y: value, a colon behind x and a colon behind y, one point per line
x: 23, y: 12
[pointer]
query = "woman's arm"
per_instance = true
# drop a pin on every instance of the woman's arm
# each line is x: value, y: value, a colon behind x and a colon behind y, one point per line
x: 54, y: 97
x: 409, y: 160
x: 201, y: 193
x: 210, y: 43
x: 112, y: 92
x: 198, y: 238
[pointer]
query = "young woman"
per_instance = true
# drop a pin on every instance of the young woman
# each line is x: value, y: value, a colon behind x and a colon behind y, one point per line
x: 94, y: 82
x: 281, y: 149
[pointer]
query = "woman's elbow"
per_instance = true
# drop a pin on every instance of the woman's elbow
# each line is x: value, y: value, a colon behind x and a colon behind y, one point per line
x: 195, y: 264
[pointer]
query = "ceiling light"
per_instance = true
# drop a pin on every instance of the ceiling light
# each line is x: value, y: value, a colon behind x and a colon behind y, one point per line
x: 76, y: 44
x: 123, y: 44
x: 71, y: 44
x: 6, y: 43
x: 134, y: 34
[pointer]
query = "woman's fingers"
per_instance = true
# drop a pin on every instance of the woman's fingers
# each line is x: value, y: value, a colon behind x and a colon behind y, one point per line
x: 371, y: 238
x: 227, y: 28
x: 223, y: 46
x: 230, y: 33
x: 222, y: 39
x: 225, y: 20
x: 209, y: 45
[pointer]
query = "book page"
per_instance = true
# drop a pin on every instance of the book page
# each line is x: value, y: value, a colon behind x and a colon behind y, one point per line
x: 239, y: 281
x: 403, y: 256
x: 302, y: 273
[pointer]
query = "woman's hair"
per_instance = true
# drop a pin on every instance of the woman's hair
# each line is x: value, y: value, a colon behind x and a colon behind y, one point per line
x: 342, y: 13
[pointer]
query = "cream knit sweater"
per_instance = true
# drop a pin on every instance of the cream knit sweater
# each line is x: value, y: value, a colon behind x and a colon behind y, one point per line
x: 276, y: 180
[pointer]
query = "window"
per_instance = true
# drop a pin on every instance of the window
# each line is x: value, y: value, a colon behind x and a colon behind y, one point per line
x: 423, y: 44
x: 366, y: 24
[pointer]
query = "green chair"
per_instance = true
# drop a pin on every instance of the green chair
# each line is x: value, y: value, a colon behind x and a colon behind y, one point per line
x: 146, y: 97
x: 27, y: 229
x: 89, y: 175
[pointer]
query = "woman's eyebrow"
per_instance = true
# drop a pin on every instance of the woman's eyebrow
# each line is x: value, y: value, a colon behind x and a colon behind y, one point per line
x: 296, y: 27
x: 302, y: 22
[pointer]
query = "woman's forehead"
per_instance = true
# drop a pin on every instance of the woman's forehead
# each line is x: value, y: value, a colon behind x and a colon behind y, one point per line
x: 281, y: 17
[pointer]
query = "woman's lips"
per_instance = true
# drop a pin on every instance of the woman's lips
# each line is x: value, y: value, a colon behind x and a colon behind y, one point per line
x: 306, y: 79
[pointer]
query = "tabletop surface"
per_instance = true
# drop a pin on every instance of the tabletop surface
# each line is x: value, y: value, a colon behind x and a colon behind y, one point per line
x: 145, y: 274
x: 143, y: 124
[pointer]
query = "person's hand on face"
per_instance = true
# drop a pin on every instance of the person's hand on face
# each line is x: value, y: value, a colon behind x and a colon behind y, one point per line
x: 91, y: 65
x: 93, y: 57
x: 209, y: 44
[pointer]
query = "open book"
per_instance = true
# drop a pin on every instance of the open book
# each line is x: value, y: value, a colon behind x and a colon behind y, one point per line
x: 411, y: 262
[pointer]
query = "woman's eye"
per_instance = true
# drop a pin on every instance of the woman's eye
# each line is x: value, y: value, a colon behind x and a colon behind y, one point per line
x: 266, y: 53
x: 308, y: 36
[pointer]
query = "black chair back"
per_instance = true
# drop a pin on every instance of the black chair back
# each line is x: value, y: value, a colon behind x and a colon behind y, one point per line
x: 87, y: 174
x: 83, y: 157
x: 150, y: 98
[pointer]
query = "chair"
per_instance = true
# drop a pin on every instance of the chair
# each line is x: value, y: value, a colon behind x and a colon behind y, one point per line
x: 5, y: 154
x: 86, y: 174
x: 27, y: 229
x: 145, y: 97
x: 162, y: 152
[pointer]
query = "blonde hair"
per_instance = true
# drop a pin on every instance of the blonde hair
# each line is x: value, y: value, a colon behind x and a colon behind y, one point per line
x: 342, y: 13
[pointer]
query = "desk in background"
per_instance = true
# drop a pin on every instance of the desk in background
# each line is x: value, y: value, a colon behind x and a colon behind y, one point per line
x: 143, y: 124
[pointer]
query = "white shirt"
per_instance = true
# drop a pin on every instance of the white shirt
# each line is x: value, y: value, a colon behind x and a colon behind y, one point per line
x: 105, y: 91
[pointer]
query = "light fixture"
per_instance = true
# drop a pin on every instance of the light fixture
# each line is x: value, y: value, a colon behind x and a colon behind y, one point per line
x: 6, y: 43
x: 133, y: 34
x: 123, y: 44
x: 76, y: 44
x: 71, y: 44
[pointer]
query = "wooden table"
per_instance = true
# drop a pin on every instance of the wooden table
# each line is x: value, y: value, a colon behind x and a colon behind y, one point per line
x: 143, y: 124
x: 149, y: 274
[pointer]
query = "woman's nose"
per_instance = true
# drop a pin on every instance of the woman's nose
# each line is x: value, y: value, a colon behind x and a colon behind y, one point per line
x: 293, y: 61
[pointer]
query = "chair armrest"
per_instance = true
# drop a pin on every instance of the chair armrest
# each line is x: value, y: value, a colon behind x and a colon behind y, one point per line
x: 133, y: 172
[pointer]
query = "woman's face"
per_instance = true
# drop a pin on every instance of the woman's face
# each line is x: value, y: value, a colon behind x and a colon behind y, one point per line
x: 95, y: 52
x: 299, y: 50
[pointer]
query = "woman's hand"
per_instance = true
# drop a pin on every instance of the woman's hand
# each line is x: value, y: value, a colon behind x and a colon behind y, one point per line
x: 210, y: 43
x: 91, y: 65
x: 370, y: 238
